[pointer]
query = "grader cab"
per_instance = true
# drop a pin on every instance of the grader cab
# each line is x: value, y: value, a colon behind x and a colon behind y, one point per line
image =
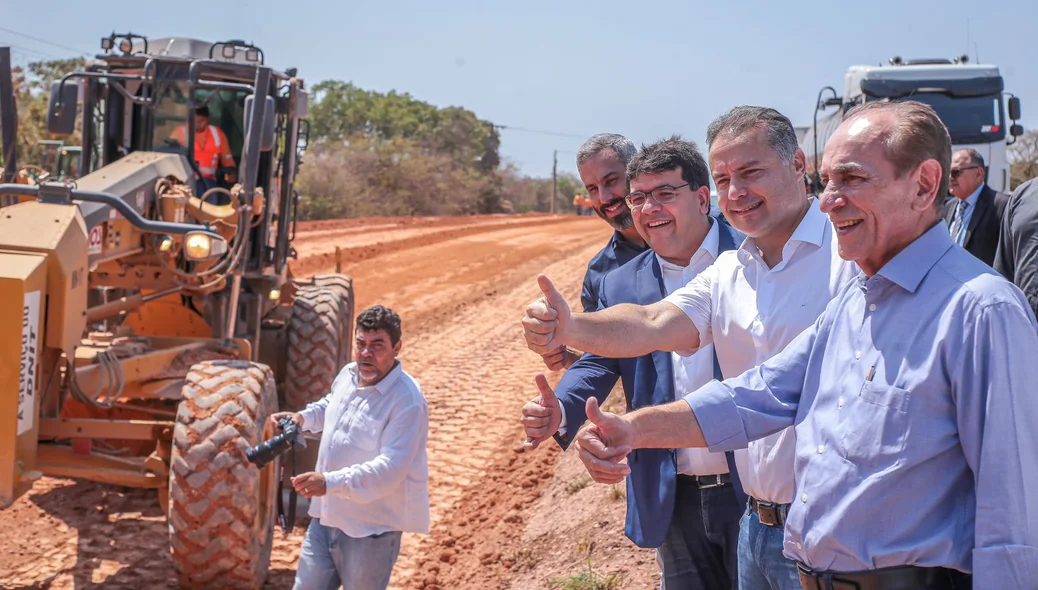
x: 149, y: 324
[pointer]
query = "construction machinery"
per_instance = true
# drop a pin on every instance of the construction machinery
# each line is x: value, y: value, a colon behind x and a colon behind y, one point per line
x: 148, y: 329
x: 969, y: 98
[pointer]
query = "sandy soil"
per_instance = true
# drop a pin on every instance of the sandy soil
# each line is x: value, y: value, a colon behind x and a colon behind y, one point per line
x: 501, y: 519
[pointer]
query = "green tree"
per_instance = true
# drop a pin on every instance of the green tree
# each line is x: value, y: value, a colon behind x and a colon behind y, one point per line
x: 32, y: 94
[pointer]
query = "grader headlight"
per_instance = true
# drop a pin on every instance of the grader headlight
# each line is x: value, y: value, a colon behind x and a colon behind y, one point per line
x: 200, y: 245
x: 165, y: 243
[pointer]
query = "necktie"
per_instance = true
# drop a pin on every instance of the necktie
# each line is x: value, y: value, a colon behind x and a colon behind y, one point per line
x: 957, y: 229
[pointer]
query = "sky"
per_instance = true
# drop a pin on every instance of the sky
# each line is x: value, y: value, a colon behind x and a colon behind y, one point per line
x: 646, y: 69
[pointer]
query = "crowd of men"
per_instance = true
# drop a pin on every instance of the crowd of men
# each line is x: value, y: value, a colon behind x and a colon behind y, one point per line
x: 823, y: 391
x: 827, y: 392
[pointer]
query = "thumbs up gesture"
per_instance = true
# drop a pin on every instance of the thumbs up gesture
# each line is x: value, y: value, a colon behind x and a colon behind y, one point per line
x: 604, y: 443
x: 541, y: 415
x: 546, y: 319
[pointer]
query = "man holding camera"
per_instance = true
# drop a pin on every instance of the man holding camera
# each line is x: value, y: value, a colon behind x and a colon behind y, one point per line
x: 371, y: 481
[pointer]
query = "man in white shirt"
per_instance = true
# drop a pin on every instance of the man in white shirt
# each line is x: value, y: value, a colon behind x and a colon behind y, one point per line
x: 749, y: 305
x: 679, y: 500
x: 371, y: 482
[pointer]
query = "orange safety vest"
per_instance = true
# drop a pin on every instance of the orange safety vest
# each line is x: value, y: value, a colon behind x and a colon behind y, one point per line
x: 587, y: 201
x: 578, y: 200
x: 211, y: 149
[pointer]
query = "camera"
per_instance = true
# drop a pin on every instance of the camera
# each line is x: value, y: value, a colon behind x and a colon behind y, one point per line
x: 268, y: 450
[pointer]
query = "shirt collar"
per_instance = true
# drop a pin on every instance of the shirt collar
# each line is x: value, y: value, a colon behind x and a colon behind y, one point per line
x: 908, y: 267
x: 383, y: 386
x: 619, y: 241
x: 709, y: 245
x: 811, y: 230
x: 972, y: 199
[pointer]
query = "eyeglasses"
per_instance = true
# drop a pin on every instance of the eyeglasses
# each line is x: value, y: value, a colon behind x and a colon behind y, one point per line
x: 661, y: 194
x: 957, y: 172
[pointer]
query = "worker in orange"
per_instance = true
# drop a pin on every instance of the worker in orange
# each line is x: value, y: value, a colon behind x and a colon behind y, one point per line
x: 578, y: 203
x: 588, y: 205
x: 212, y: 150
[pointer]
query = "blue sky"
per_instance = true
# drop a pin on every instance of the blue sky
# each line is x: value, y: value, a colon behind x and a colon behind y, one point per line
x: 646, y: 69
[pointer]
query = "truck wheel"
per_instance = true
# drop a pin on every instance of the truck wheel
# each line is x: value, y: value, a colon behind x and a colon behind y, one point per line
x: 318, y: 344
x: 221, y: 508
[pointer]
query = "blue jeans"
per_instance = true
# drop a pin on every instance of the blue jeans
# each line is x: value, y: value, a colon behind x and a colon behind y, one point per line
x: 330, y: 558
x: 700, y: 551
x: 761, y: 563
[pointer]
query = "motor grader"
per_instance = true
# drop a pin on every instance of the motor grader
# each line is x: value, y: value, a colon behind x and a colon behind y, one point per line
x: 149, y: 324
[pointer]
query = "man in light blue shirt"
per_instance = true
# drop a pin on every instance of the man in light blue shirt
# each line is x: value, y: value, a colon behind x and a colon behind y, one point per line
x: 912, y: 396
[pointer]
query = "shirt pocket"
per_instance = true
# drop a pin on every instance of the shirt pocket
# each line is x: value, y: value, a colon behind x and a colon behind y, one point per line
x: 364, y: 432
x: 875, y: 431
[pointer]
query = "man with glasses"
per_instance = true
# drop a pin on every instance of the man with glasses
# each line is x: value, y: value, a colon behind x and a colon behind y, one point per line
x: 750, y: 304
x: 682, y: 501
x: 974, y: 216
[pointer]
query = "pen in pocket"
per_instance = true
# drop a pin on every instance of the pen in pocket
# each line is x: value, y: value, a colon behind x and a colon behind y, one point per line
x: 872, y: 373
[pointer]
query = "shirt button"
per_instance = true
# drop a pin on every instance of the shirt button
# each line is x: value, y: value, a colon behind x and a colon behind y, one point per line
x: 803, y: 498
x: 821, y: 449
x: 841, y: 403
x: 857, y: 355
x: 872, y: 307
x: 800, y: 547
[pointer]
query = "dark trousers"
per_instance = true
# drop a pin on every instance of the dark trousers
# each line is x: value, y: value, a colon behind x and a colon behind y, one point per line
x: 701, y: 548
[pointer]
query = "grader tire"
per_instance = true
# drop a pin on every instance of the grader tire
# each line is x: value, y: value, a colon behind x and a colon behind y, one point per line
x: 318, y: 343
x: 221, y: 508
x: 344, y: 284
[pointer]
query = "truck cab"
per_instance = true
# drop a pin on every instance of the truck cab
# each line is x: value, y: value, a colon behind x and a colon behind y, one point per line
x: 969, y: 98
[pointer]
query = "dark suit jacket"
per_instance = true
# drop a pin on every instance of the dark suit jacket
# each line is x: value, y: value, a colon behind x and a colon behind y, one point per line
x: 981, y: 238
x: 647, y: 381
x: 1017, y: 256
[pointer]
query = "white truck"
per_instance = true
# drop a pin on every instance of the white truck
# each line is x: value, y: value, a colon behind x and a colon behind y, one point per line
x: 969, y: 98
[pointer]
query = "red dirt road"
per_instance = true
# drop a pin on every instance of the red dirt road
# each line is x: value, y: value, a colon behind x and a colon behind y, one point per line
x: 460, y: 285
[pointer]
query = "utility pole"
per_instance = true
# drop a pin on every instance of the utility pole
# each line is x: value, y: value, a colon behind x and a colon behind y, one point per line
x: 554, y: 178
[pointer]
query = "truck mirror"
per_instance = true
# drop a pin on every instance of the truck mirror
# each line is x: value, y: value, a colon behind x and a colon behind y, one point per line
x: 267, y: 131
x: 1014, y: 108
x: 1016, y: 130
x: 61, y: 113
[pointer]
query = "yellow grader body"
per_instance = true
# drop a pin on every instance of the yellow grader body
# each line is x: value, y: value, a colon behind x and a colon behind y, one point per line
x: 148, y: 323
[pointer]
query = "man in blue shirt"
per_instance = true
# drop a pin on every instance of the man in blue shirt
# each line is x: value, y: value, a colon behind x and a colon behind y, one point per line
x: 912, y: 395
x: 602, y: 164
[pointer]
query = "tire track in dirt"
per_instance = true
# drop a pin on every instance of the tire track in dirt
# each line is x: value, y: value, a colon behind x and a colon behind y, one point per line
x: 324, y: 256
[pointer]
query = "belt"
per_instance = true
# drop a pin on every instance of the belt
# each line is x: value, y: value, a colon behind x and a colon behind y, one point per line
x: 769, y: 513
x: 705, y: 482
x: 890, y: 578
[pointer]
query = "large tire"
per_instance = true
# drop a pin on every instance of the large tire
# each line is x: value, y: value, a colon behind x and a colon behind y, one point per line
x: 344, y: 285
x: 319, y: 342
x: 221, y: 508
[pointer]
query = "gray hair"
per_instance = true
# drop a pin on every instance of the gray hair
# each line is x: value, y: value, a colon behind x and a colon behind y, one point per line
x: 623, y: 147
x: 781, y: 135
x: 975, y: 158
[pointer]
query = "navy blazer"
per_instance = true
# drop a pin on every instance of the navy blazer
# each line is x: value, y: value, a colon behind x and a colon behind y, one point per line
x: 647, y: 381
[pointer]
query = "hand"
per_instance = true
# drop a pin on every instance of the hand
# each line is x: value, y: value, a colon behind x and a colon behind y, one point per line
x: 546, y: 319
x: 541, y: 415
x: 560, y: 359
x: 310, y: 485
x: 604, y: 443
x: 296, y: 417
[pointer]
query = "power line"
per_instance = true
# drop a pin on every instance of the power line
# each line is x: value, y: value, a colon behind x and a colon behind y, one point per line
x: 45, y: 41
x: 525, y: 130
x: 25, y: 51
